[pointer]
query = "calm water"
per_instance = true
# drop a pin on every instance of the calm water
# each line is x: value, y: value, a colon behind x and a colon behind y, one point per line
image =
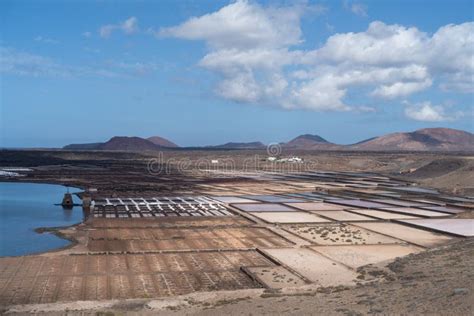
x: 26, y: 206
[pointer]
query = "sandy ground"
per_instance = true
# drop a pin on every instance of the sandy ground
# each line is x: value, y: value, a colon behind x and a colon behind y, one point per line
x: 425, y: 283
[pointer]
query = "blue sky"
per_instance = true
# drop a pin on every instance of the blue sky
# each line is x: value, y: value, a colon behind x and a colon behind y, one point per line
x: 209, y: 72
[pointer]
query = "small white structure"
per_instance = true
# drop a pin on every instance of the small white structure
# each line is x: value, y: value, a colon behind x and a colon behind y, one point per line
x: 214, y: 161
x: 272, y: 159
x: 295, y: 160
x: 290, y: 160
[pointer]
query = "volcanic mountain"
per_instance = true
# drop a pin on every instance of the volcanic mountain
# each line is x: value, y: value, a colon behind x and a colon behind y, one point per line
x: 123, y: 143
x: 428, y: 139
x: 308, y: 141
x: 163, y: 142
x: 128, y: 144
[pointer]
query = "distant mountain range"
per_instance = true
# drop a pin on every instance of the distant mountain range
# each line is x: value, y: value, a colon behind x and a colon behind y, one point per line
x: 423, y: 139
x: 428, y: 139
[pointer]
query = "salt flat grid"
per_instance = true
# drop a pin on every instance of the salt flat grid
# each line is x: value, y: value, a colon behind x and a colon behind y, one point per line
x: 264, y: 207
x: 317, y: 206
x: 154, y: 200
x: 357, y: 256
x: 303, y: 196
x: 160, y: 210
x: 444, y: 209
x: 456, y: 226
x: 289, y: 217
x: 415, y: 190
x: 132, y: 240
x: 400, y: 202
x: 339, y: 234
x: 382, y: 214
x: 232, y: 199
x: 456, y: 198
x: 144, y: 247
x: 273, y: 198
x: 359, y: 203
x: 343, y: 216
x: 315, y: 267
x: 412, y: 235
x: 414, y: 211
x: 37, y: 279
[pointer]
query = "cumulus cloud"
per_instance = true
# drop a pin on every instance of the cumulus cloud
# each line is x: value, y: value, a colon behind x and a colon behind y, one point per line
x: 255, y: 52
x: 128, y: 26
x: 242, y: 25
x: 426, y: 112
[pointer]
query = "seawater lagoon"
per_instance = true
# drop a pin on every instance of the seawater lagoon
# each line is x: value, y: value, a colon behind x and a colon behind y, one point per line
x: 25, y: 207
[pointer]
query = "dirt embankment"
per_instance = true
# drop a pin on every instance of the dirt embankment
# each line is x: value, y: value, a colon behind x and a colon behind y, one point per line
x: 453, y: 175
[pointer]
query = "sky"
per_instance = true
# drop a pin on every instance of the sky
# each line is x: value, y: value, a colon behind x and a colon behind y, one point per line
x: 207, y: 72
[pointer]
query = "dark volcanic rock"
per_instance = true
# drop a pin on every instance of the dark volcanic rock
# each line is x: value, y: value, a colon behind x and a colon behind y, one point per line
x: 129, y: 144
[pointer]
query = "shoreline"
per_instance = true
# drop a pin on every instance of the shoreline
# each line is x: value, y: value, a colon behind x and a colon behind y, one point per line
x: 55, y: 230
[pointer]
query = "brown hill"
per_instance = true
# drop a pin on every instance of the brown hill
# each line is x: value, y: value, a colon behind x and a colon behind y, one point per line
x: 428, y: 139
x: 163, y: 142
x: 128, y: 144
x: 310, y: 142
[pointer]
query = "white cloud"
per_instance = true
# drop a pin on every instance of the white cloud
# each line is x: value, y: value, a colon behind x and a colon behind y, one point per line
x: 355, y: 7
x: 329, y: 27
x: 21, y: 63
x: 426, y: 112
x: 381, y: 45
x: 18, y: 63
x: 241, y: 88
x: 242, y: 25
x: 87, y: 34
x: 128, y: 27
x: 400, y: 89
x: 359, y: 9
x: 133, y: 68
x: 45, y: 40
x: 254, y: 51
